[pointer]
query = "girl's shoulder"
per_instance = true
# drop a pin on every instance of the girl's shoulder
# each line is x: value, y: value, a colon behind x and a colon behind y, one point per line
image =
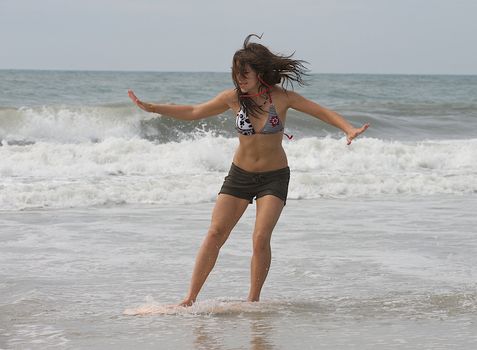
x: 229, y: 95
x: 284, y: 95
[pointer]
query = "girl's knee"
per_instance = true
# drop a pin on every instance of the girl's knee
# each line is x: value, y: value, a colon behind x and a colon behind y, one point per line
x: 218, y: 235
x: 261, y: 242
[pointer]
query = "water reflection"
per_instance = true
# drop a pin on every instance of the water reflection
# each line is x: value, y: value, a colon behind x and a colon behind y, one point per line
x: 237, y: 331
x: 260, y: 331
x: 206, y: 338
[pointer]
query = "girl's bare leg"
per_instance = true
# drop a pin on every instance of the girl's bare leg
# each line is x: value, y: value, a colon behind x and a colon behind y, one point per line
x: 269, y: 209
x: 227, y: 211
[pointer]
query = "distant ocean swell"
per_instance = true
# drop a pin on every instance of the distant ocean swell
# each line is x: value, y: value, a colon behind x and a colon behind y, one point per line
x: 77, y: 124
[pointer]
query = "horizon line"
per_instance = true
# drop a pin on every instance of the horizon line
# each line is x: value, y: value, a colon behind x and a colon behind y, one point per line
x: 218, y: 72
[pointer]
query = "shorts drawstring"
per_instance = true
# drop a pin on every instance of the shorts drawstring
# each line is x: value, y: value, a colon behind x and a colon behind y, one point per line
x: 258, y: 178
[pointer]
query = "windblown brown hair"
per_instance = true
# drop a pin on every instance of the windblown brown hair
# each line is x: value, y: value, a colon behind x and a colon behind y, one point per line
x: 271, y: 69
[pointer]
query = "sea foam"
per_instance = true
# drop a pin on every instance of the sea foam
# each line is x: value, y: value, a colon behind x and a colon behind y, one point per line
x: 137, y: 171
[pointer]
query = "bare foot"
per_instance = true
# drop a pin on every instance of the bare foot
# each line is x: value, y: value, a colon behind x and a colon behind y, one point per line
x: 186, y: 302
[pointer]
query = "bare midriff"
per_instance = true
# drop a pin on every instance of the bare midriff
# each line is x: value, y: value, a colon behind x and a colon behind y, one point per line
x: 260, y: 152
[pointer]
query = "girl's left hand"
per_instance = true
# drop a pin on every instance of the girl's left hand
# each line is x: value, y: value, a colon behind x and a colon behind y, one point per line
x: 144, y: 106
x: 353, y: 133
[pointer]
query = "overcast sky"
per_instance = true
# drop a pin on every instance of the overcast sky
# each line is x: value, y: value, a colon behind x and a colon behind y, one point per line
x: 334, y: 36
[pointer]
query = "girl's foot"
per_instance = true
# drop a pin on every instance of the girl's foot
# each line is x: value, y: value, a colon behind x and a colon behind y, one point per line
x: 186, y: 302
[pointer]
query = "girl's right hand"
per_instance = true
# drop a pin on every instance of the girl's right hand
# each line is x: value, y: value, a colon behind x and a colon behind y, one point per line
x: 144, y: 106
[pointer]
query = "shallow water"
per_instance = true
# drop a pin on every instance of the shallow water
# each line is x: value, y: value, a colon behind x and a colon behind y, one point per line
x: 390, y: 273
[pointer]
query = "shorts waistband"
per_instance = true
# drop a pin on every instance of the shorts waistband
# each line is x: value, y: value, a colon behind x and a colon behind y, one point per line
x: 285, y: 170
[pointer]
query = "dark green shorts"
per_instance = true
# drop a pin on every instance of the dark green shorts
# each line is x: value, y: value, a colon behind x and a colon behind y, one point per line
x: 249, y: 185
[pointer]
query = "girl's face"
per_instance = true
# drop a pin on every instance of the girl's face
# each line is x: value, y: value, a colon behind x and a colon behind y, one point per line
x: 248, y: 82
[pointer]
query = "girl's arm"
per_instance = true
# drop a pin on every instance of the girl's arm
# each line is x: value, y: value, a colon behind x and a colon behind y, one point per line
x: 300, y: 103
x: 215, y: 106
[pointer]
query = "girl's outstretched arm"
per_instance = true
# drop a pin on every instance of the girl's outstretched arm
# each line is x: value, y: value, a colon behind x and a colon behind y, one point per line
x: 215, y: 106
x: 300, y: 103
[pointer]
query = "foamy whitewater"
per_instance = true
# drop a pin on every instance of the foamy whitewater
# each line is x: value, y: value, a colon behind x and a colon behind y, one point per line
x: 103, y: 207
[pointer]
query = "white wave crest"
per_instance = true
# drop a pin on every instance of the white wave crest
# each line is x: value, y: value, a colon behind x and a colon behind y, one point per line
x: 68, y: 124
x: 136, y: 171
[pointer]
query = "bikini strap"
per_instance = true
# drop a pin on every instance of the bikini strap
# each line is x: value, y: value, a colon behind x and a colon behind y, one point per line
x: 259, y: 94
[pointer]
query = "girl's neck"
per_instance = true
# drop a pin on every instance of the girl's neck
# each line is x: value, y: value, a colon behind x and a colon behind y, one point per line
x: 256, y: 93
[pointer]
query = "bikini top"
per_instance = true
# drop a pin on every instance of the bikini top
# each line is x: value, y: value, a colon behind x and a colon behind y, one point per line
x: 272, y: 126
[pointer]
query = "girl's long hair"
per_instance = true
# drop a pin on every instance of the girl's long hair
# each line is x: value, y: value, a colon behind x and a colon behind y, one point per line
x: 271, y: 69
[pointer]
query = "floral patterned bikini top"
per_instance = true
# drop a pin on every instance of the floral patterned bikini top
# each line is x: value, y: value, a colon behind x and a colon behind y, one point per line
x: 272, y: 126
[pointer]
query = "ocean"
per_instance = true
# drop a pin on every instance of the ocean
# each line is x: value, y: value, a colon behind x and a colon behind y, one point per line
x: 103, y: 207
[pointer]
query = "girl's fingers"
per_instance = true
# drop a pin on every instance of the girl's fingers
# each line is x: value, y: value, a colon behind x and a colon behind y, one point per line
x: 132, y: 96
x: 356, y: 133
x: 363, y: 129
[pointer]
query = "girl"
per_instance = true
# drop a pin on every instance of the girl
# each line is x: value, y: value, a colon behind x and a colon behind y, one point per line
x: 259, y: 168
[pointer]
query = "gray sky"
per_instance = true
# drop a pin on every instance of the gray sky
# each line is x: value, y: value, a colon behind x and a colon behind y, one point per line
x: 334, y: 36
